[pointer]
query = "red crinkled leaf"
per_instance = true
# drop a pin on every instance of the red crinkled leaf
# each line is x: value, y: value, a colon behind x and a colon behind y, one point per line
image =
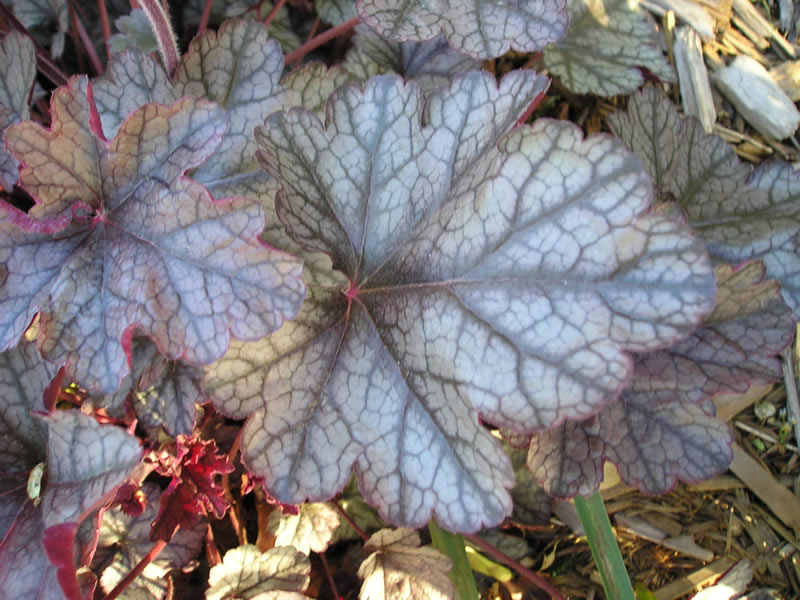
x: 125, y: 242
x: 192, y: 492
x: 130, y: 499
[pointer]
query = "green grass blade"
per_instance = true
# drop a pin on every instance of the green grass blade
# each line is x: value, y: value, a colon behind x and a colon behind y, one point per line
x: 603, y: 544
x: 452, y: 546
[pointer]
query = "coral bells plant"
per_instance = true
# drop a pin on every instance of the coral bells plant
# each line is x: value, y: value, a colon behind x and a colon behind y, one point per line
x: 225, y: 282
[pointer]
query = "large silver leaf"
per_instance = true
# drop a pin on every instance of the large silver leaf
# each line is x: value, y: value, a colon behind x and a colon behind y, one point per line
x: 495, y: 270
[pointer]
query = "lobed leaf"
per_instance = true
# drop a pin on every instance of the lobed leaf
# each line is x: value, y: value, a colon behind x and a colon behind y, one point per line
x: 18, y: 56
x: 193, y: 491
x: 134, y: 32
x: 246, y: 572
x: 311, y: 529
x: 147, y: 248
x: 740, y: 215
x: 506, y: 272
x: 86, y: 462
x: 398, y: 568
x: 163, y: 393
x: 432, y: 63
x: 662, y: 428
x: 482, y: 28
x: 315, y: 82
x: 607, y: 45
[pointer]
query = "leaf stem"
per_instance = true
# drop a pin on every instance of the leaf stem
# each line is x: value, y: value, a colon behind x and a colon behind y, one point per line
x: 85, y: 40
x: 104, y: 24
x: 524, y: 572
x: 604, y: 547
x: 325, y: 566
x: 452, y: 546
x: 273, y: 13
x: 350, y: 521
x: 165, y: 36
x: 205, y: 16
x: 317, y: 41
x: 136, y: 571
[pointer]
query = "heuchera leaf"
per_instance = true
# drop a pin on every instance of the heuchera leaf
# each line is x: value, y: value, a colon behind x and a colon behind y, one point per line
x: 46, y: 16
x: 503, y: 273
x: 482, y: 28
x: 124, y: 540
x: 740, y: 216
x: 662, y: 428
x: 238, y: 67
x: 431, y: 64
x: 86, y: 462
x: 18, y: 56
x: 146, y: 247
x: 163, y: 393
x: 335, y: 12
x: 134, y: 32
x: 315, y: 82
x: 309, y: 530
x: 193, y: 491
x: 23, y: 379
x: 399, y: 569
x: 607, y: 44
x: 246, y: 572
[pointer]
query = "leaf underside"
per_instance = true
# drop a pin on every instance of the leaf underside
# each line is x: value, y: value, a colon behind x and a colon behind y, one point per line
x: 741, y: 215
x: 494, y: 270
x: 662, y: 428
x: 311, y: 529
x: 399, y: 568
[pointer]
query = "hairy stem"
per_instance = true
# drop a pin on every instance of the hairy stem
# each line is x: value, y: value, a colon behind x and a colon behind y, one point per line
x: 317, y: 41
x: 165, y: 37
